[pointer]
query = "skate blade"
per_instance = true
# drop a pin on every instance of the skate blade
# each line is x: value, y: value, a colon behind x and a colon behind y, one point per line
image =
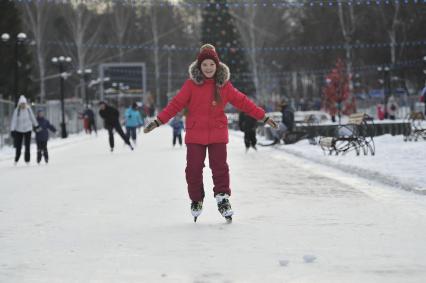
x: 228, y: 219
x: 195, y: 219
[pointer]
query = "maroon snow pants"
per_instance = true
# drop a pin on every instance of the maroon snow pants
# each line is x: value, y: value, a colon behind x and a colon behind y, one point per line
x: 195, y: 156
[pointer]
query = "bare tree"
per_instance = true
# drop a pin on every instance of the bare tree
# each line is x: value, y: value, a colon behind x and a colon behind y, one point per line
x: 36, y: 20
x: 249, y: 38
x: 348, y: 26
x: 84, y: 29
x: 122, y: 17
x: 391, y: 20
x: 249, y: 24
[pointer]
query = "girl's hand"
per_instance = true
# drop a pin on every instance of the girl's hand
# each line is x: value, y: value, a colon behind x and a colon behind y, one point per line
x: 151, y: 126
x: 270, y: 122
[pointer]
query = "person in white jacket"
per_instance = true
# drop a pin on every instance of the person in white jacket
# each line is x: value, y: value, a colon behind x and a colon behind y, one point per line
x: 23, y: 121
x: 392, y: 108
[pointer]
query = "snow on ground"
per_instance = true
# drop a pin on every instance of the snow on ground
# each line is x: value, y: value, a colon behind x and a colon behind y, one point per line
x: 8, y: 152
x: 396, y: 163
x: 93, y: 216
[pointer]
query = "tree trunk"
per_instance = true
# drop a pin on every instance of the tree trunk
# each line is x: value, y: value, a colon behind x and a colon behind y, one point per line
x: 252, y: 54
x: 348, y: 30
x: 36, y: 20
x: 154, y: 28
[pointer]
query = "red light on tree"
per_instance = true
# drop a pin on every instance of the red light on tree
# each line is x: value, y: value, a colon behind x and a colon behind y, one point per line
x: 336, y: 92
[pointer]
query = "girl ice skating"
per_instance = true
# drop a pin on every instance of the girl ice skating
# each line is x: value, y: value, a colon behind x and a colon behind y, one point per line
x: 205, y: 95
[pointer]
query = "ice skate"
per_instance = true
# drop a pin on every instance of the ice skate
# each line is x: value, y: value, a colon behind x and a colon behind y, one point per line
x: 224, y: 206
x: 196, y: 209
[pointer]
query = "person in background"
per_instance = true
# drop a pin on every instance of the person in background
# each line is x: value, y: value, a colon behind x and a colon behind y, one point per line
x: 392, y: 108
x: 287, y: 122
x: 423, y: 97
x: 110, y: 115
x: 380, y: 112
x: 133, y: 120
x: 287, y: 116
x: 23, y: 122
x: 89, y: 118
x: 248, y: 125
x: 42, y: 136
x: 177, y: 125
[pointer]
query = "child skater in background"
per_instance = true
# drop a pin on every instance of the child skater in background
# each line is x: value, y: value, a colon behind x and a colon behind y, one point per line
x: 177, y: 125
x: 205, y: 95
x: 42, y: 136
x: 133, y: 121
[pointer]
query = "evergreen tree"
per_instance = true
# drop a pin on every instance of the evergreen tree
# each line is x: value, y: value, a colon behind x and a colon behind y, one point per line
x: 336, y: 92
x: 218, y: 28
x: 10, y: 23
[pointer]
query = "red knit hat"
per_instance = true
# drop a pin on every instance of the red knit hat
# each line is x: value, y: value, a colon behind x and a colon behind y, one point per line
x: 207, y: 51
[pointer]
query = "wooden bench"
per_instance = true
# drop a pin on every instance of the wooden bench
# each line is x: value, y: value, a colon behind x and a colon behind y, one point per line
x: 352, y: 136
x: 418, y: 127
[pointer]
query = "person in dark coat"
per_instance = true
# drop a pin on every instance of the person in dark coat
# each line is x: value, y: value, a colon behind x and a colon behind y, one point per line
x: 110, y: 115
x: 90, y: 116
x: 42, y: 136
x: 177, y: 125
x: 287, y: 117
x: 287, y: 123
x: 248, y: 125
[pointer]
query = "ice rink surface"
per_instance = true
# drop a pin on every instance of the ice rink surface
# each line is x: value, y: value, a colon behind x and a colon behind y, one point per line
x: 95, y: 216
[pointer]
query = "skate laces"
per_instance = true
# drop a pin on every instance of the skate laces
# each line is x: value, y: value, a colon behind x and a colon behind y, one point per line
x: 196, y: 205
x: 224, y: 206
x: 221, y: 196
x: 223, y: 203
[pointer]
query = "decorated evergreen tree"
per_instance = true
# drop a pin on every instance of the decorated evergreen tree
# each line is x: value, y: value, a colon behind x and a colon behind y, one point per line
x: 218, y: 28
x: 336, y: 92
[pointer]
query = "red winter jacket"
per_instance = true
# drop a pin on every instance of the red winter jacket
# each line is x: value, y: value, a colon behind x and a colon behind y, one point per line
x: 206, y: 123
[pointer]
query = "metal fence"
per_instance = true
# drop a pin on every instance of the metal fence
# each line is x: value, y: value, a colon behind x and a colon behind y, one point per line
x: 406, y: 105
x: 6, y: 110
x: 52, y: 110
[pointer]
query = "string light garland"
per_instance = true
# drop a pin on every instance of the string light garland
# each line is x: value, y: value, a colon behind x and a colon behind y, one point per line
x: 312, y: 48
x: 242, y: 4
x: 281, y: 75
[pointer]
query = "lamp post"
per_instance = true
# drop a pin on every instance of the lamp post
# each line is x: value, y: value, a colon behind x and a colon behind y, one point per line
x: 97, y: 82
x: 424, y: 89
x: 358, y: 91
x: 386, y: 86
x: 86, y: 73
x: 19, y: 39
x: 277, y: 80
x: 60, y: 62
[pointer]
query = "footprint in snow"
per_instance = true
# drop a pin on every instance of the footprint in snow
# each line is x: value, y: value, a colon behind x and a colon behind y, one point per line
x: 283, y: 262
x: 309, y: 258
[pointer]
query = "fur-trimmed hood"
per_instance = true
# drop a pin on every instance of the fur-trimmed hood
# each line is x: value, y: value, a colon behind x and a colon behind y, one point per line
x: 222, y: 74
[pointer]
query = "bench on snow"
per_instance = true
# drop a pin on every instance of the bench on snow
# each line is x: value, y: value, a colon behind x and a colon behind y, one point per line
x: 350, y: 137
x: 418, y: 127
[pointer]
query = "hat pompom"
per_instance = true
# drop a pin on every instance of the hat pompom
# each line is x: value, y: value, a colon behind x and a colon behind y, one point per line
x: 207, y: 46
x: 22, y: 100
x: 207, y: 51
